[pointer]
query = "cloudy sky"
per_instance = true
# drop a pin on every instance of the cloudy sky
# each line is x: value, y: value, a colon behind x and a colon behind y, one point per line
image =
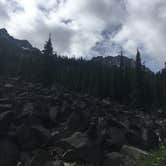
x: 91, y: 27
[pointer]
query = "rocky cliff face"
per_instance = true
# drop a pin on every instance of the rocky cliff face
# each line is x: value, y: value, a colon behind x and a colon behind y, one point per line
x: 114, y: 61
x: 10, y: 43
x: 52, y: 127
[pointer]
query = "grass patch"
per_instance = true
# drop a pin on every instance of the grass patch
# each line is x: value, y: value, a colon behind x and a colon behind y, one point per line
x: 155, y: 158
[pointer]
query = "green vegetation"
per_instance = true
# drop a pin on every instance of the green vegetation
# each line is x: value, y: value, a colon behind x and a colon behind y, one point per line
x: 136, y: 86
x: 156, y: 158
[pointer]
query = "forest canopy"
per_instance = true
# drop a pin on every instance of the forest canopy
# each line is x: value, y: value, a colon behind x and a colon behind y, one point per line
x: 134, y: 85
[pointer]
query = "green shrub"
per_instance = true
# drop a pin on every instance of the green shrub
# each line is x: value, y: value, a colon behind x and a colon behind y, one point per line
x: 155, y: 158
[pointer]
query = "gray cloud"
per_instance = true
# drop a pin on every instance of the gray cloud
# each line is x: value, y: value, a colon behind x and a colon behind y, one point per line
x: 90, y: 27
x: 145, y: 27
x: 3, y: 13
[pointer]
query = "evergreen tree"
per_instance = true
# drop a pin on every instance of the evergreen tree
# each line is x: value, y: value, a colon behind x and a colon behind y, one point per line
x: 48, y: 63
x: 138, y: 67
x: 48, y: 49
x: 121, y: 81
x: 121, y: 61
x: 137, y: 94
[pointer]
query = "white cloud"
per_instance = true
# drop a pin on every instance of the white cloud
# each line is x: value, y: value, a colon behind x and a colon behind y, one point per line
x: 76, y: 25
x: 145, y: 27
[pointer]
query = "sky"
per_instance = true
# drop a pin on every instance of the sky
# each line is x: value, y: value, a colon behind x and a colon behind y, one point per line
x: 90, y: 28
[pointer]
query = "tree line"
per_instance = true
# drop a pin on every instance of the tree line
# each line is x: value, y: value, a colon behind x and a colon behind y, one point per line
x: 135, y: 86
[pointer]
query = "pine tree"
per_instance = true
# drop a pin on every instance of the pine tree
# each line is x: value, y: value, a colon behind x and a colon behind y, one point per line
x: 138, y: 67
x: 121, y: 78
x: 137, y: 94
x: 48, y: 49
x: 121, y: 61
x: 48, y: 63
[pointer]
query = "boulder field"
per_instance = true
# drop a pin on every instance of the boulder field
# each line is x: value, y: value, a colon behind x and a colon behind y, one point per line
x: 54, y: 127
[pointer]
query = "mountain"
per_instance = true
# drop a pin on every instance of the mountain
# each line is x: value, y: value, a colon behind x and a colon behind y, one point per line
x: 23, y: 47
x: 11, y: 44
x: 108, y: 49
x: 114, y: 61
x: 106, y: 46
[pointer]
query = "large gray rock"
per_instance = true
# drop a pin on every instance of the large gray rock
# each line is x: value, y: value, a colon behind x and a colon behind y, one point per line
x: 153, y: 139
x: 25, y: 158
x: 40, y: 158
x: 32, y: 137
x: 44, y: 136
x: 85, y: 149
x: 9, y: 153
x: 8, y: 86
x: 55, y: 163
x: 134, y: 138
x: 29, y: 115
x: 5, y: 120
x: 133, y: 152
x: 69, y: 156
x: 112, y: 122
x: 53, y: 114
x: 78, y: 121
x: 5, y: 107
x: 71, y: 164
x: 26, y: 138
x: 113, y: 159
x: 115, y: 139
x: 28, y: 108
x: 128, y: 161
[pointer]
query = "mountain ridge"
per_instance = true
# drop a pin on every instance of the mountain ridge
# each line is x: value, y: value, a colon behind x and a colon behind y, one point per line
x: 114, y: 60
x: 9, y: 42
x: 24, y: 47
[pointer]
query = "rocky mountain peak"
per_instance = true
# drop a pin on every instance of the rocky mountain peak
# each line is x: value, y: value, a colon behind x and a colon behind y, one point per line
x: 3, y: 32
x: 114, y: 61
x: 6, y: 40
